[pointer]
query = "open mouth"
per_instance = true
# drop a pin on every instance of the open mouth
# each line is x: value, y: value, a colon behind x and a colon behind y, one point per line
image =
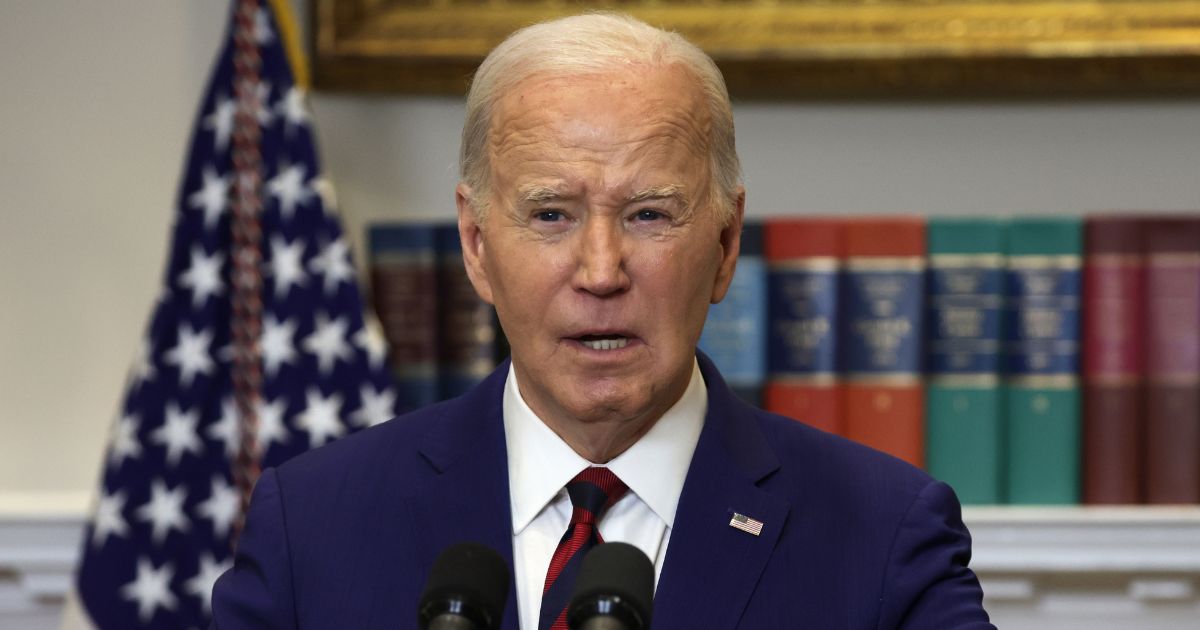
x: 604, y: 342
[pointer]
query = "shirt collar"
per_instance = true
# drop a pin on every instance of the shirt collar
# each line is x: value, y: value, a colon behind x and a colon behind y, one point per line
x: 540, y: 463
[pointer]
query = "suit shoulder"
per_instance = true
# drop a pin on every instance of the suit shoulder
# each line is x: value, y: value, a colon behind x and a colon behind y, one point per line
x: 392, y: 441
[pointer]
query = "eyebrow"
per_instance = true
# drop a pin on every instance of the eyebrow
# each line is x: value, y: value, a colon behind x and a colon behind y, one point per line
x: 669, y: 191
x: 539, y: 194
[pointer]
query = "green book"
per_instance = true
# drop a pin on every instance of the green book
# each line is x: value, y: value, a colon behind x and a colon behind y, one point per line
x: 963, y: 415
x: 1042, y: 360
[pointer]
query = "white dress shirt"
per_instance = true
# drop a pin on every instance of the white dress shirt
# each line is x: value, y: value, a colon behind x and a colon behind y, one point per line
x: 540, y: 464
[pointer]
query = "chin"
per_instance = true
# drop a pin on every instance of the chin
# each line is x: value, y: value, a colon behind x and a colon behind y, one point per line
x: 614, y: 403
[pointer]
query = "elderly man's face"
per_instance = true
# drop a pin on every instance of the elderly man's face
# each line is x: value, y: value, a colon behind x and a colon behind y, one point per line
x: 601, y: 250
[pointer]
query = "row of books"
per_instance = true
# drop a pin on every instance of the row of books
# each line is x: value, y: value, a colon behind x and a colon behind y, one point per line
x: 1026, y: 360
x: 442, y: 338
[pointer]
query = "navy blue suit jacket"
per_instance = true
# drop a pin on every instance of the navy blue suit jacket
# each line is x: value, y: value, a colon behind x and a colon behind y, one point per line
x: 344, y: 536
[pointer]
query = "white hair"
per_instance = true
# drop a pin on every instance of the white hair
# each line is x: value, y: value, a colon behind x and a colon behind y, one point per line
x: 589, y: 44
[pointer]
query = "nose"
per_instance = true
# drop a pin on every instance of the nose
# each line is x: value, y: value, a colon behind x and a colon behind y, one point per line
x: 600, y: 258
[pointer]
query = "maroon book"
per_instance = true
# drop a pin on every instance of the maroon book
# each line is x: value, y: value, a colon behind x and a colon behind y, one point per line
x: 466, y: 324
x: 403, y: 268
x: 1173, y: 360
x: 1113, y: 329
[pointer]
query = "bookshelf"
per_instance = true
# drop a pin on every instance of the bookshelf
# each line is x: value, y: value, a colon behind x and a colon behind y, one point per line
x: 1042, y: 567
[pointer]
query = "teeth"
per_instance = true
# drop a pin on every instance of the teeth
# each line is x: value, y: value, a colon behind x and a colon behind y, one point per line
x: 606, y: 344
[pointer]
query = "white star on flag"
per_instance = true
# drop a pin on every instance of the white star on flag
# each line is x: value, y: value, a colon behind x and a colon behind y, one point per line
x: 334, y: 263
x: 151, y: 589
x: 109, y: 521
x: 289, y: 186
x: 293, y: 108
x: 376, y: 407
x: 220, y: 122
x: 324, y: 189
x: 201, y: 585
x: 143, y: 367
x: 263, y: 34
x: 371, y: 340
x: 178, y: 434
x: 263, y: 98
x: 164, y: 511
x: 226, y: 430
x: 320, y: 418
x: 277, y: 345
x: 328, y: 342
x: 190, y: 354
x: 212, y: 197
x: 123, y: 442
x: 271, y: 427
x: 221, y: 507
x: 287, y: 265
x: 203, y: 277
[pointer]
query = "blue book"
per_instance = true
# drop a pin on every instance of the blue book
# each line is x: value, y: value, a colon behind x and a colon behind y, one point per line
x: 735, y: 333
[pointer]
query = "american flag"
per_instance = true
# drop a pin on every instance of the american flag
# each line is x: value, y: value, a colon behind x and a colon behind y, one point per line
x: 746, y: 524
x: 258, y: 331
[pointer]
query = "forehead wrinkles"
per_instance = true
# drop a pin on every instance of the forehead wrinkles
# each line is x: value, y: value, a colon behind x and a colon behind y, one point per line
x: 658, y: 114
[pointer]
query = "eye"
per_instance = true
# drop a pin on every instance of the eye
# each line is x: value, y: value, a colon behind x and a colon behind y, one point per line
x: 549, y: 216
x: 647, y: 214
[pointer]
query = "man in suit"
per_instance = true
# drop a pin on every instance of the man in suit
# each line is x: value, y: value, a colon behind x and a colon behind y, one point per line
x: 600, y: 210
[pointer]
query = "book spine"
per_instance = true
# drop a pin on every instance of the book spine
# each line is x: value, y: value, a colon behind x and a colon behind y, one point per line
x: 1173, y: 360
x: 964, y: 433
x: 1113, y: 341
x: 802, y: 256
x: 1042, y: 356
x: 466, y: 323
x: 883, y: 296
x: 403, y: 264
x: 734, y: 335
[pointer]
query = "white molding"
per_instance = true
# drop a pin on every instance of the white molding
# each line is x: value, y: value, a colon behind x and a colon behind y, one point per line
x: 38, y: 551
x: 1071, y: 540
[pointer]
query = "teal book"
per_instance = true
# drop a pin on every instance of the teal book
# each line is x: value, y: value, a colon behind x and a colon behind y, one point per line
x: 1042, y: 393
x: 963, y: 406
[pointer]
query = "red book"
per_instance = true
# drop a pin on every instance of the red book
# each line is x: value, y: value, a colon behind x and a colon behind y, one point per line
x: 802, y: 256
x: 884, y: 301
x: 1173, y: 360
x: 1113, y: 328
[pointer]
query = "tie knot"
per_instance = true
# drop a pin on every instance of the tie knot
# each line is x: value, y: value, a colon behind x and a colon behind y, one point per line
x: 592, y: 492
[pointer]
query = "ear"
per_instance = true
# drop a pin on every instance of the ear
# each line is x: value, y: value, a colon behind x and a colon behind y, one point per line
x: 471, y: 235
x: 730, y: 242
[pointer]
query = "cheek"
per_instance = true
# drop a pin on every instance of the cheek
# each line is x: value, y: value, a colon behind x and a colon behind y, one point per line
x: 524, y: 282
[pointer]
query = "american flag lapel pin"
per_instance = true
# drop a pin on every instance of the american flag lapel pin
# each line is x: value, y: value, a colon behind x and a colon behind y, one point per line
x: 746, y: 524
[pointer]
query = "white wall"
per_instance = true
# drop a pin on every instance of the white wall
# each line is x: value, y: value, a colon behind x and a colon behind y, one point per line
x: 96, y: 101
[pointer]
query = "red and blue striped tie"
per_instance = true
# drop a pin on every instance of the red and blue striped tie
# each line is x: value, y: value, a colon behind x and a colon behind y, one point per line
x: 592, y: 492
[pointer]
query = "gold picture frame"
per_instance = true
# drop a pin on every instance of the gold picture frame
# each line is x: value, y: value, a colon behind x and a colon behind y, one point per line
x: 800, y: 48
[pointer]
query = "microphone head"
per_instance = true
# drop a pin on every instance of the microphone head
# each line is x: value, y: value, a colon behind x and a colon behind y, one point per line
x: 467, y: 579
x: 615, y: 580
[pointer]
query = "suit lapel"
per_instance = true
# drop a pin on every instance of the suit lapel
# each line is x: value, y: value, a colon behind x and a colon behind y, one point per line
x: 466, y: 498
x: 712, y: 568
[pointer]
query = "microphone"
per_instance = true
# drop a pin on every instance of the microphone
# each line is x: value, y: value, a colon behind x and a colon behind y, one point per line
x: 614, y: 590
x: 467, y: 589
